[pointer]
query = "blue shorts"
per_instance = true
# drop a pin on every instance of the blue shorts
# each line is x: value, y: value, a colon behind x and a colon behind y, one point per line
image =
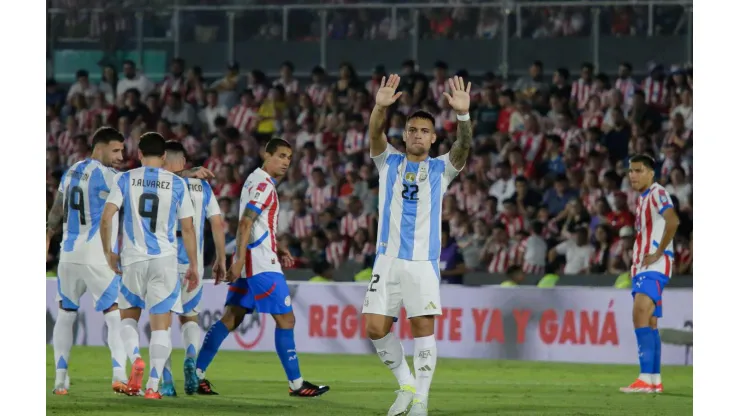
x: 651, y: 283
x: 267, y: 292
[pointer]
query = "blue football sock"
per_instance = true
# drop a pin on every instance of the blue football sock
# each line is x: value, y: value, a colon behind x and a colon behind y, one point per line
x: 657, y: 344
x: 645, y: 349
x: 285, y: 347
x: 212, y: 342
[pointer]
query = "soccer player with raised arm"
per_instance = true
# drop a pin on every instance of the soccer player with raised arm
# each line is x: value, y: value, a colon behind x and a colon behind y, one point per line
x: 652, y: 263
x: 83, y: 267
x: 406, y: 270
x: 256, y: 278
x: 206, y: 207
x: 152, y: 200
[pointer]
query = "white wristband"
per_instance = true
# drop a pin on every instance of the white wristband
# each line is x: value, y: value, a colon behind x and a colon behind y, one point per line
x: 465, y: 117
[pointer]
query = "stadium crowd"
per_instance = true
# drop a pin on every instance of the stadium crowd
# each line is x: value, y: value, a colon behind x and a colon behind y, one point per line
x: 548, y: 167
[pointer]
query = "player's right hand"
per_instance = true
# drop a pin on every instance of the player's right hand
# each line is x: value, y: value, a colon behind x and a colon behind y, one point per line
x: 219, y: 270
x: 113, y: 263
x: 191, y: 276
x: 235, y: 271
x: 387, y: 95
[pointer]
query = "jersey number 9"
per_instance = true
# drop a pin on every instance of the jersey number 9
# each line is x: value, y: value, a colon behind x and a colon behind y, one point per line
x: 410, y: 192
x: 75, y: 200
x: 150, y: 213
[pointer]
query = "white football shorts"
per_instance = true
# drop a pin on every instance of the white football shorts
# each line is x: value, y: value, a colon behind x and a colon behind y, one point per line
x: 396, y: 282
x: 190, y: 300
x: 152, y: 284
x: 97, y: 279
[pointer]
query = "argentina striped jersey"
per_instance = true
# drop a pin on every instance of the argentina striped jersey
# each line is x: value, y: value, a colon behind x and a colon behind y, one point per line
x: 205, y: 206
x: 85, y: 186
x: 152, y: 200
x: 410, y: 204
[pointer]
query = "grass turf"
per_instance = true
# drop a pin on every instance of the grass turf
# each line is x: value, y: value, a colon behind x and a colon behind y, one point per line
x: 253, y: 383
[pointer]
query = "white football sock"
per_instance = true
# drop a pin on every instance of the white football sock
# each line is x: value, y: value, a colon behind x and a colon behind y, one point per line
x: 130, y: 337
x: 167, y: 371
x: 159, y: 349
x: 115, y: 344
x: 190, y: 339
x: 425, y: 361
x: 390, y: 352
x: 62, y: 340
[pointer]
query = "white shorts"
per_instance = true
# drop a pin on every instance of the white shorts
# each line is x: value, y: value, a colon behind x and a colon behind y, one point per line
x: 190, y: 300
x: 76, y: 279
x: 152, y: 284
x: 394, y: 282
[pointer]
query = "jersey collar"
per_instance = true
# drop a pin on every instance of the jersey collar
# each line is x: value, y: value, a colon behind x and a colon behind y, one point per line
x: 265, y: 174
x: 647, y: 191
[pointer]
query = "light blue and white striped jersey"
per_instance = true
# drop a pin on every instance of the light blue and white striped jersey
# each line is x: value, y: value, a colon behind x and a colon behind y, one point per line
x: 85, y: 187
x: 205, y: 206
x: 152, y: 200
x: 410, y: 204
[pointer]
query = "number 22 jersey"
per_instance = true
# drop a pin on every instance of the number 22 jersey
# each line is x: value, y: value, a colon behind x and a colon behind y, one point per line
x: 152, y: 200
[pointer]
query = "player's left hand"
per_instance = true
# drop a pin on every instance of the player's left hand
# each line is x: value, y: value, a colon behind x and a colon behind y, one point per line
x: 113, y: 263
x: 650, y: 259
x: 460, y: 98
x: 198, y: 173
x: 235, y: 271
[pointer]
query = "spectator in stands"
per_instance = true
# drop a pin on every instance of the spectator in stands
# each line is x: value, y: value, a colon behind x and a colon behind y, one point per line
x: 132, y: 79
x: 323, y: 271
x: 577, y: 251
x: 451, y: 262
x: 514, y: 276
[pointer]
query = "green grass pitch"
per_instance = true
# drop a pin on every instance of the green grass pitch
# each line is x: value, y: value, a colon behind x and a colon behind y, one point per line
x: 252, y: 383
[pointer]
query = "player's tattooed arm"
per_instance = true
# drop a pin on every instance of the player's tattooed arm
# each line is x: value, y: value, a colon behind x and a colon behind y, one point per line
x: 198, y: 172
x: 242, y: 239
x: 461, y: 148
x: 460, y: 102
x: 54, y: 221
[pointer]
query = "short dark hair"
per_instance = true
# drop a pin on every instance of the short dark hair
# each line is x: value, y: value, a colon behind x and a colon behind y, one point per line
x: 275, y: 143
x: 538, y: 227
x: 646, y: 160
x: 105, y: 135
x: 422, y: 115
x: 321, y: 266
x: 152, y: 144
x: 173, y: 146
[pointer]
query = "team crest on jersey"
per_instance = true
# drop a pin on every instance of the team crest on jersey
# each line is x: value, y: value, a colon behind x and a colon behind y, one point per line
x: 410, y: 177
x: 663, y: 198
x: 422, y: 172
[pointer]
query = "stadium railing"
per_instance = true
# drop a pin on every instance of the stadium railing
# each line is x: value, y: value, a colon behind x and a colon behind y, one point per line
x: 212, y: 35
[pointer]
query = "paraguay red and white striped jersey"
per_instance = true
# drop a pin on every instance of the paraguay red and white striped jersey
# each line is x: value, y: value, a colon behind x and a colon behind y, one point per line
x: 320, y: 197
x: 317, y: 93
x: 437, y: 88
x: 627, y: 87
x: 354, y: 142
x: 85, y: 119
x: 336, y: 252
x: 65, y: 142
x: 349, y: 224
x: 170, y: 85
x: 259, y: 195
x: 656, y: 91
x: 571, y: 137
x: 503, y: 256
x: 513, y: 224
x: 580, y: 92
x: 307, y: 166
x: 470, y: 203
x: 302, y: 225
x: 368, y: 249
x: 649, y: 225
x: 532, y: 145
x: 243, y: 118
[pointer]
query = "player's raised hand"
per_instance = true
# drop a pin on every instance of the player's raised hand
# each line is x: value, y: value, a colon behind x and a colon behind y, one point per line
x: 387, y: 94
x: 460, y: 98
x: 192, y: 278
x: 235, y: 271
x: 219, y: 270
x: 113, y: 262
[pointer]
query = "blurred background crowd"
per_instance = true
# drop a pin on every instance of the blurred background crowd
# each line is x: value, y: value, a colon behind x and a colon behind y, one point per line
x: 545, y: 187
